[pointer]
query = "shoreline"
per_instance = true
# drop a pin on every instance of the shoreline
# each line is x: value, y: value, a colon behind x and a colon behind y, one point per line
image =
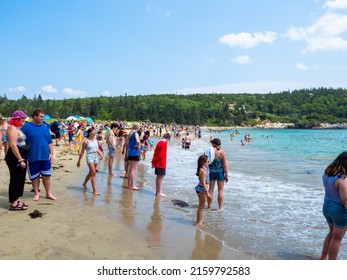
x: 119, y: 224
x: 280, y: 126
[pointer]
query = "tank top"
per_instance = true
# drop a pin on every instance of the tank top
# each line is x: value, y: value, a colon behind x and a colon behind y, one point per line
x: 132, y: 151
x: 331, y: 192
x: 92, y: 146
x: 216, y: 166
x: 21, y: 138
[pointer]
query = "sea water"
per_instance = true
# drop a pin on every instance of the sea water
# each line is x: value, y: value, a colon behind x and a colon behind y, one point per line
x: 273, y: 200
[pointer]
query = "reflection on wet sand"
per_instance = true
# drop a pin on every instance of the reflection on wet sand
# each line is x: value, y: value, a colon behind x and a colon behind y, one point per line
x: 127, y: 203
x: 108, y: 194
x: 206, y: 249
x: 155, y: 225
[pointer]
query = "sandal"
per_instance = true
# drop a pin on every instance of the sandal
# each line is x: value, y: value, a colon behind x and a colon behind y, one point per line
x: 19, y: 207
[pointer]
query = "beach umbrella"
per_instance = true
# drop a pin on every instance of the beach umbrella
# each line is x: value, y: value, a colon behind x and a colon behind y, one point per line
x: 47, y: 117
x: 89, y: 120
x: 71, y: 118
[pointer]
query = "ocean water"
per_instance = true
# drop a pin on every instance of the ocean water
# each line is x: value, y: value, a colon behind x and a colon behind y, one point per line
x: 273, y: 200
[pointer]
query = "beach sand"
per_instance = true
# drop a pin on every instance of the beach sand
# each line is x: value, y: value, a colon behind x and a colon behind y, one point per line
x: 120, y: 224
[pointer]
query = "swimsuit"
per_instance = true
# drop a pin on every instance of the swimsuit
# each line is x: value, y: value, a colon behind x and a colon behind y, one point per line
x: 216, y: 169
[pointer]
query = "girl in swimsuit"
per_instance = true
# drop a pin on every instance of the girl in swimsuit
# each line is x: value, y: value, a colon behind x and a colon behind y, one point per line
x: 201, y: 188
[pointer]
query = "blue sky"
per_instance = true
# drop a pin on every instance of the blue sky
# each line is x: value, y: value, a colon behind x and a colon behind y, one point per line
x: 84, y: 48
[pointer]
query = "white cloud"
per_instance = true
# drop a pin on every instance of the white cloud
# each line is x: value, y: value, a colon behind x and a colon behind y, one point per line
x: 48, y: 89
x: 324, y: 34
x: 248, y: 40
x: 74, y: 92
x: 301, y: 67
x: 242, y: 59
x: 106, y: 93
x: 336, y: 4
x: 19, y: 89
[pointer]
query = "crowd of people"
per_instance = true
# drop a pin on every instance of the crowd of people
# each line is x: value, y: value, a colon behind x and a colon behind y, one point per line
x: 29, y: 149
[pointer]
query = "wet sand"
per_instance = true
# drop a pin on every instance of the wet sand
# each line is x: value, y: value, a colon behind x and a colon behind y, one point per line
x: 118, y: 224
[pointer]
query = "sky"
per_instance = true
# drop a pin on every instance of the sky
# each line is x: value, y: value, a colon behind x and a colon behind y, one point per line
x: 86, y: 48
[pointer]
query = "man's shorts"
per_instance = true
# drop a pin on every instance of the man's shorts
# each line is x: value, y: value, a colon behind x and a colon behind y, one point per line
x: 134, y: 158
x: 57, y: 135
x: 111, y: 151
x: 160, y: 171
x: 37, y: 168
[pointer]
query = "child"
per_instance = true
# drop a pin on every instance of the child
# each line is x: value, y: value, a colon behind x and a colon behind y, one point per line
x: 201, y: 188
x: 90, y: 145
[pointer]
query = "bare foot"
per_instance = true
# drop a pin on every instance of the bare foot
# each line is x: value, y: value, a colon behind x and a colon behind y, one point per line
x: 112, y: 174
x: 50, y: 196
x: 96, y: 193
x: 160, y: 194
x: 134, y: 188
x: 36, y: 197
x: 85, y: 187
x: 199, y: 224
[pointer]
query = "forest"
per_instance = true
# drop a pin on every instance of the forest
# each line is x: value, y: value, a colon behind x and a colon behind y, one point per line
x: 305, y: 107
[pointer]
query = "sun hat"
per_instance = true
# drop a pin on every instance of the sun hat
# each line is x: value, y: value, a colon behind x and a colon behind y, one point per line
x: 19, y: 115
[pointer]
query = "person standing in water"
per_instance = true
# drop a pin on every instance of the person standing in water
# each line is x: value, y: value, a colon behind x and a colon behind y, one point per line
x: 335, y: 205
x: 218, y: 173
x: 159, y: 163
x: 201, y: 188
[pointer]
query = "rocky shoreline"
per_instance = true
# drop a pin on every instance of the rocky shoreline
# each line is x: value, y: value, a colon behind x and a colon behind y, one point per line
x: 302, y: 126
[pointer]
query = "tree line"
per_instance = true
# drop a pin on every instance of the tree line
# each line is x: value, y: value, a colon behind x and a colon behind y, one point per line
x: 300, y: 107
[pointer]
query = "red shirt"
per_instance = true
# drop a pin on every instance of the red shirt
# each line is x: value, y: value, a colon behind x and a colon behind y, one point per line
x: 159, y: 156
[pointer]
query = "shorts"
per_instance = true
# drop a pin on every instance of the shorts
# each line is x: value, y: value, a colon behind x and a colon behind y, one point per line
x: 160, y: 171
x: 57, y: 135
x: 37, y: 168
x: 4, y: 138
x: 219, y: 176
x: 92, y: 157
x: 335, y: 214
x: 111, y: 151
x: 200, y: 189
x: 135, y: 158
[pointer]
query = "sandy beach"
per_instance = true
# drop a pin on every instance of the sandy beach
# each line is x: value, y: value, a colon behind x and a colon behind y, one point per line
x: 119, y: 224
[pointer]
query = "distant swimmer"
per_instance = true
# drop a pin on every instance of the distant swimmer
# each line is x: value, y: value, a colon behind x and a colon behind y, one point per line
x: 187, y: 141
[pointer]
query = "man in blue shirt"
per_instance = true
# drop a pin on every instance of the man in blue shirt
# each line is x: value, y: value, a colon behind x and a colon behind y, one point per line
x: 40, y: 154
